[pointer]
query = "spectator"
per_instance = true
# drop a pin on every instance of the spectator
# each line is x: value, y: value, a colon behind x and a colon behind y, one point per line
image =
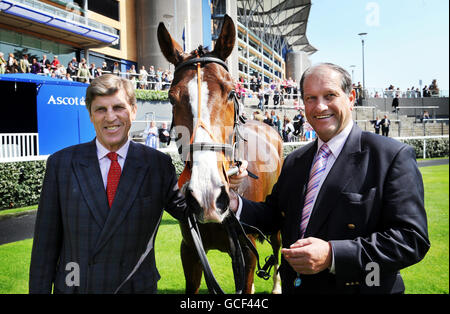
x: 425, y: 116
x: 143, y: 75
x: 13, y: 66
x: 267, y: 92
x: 418, y: 95
x: 3, y: 63
x: 288, y: 132
x: 47, y: 70
x: 276, y: 95
x: 60, y: 71
x: 260, y: 98
x: 425, y: 91
x: 116, y: 68
x: 434, y: 89
x: 159, y: 79
x: 258, y: 116
x: 44, y: 62
x: 35, y: 67
x: 55, y: 63
x: 165, y: 80
x: 395, y: 103
x: 83, y: 74
x: 377, y: 125
x: 385, y: 124
x: 268, y: 119
x: 151, y: 135
x: 164, y: 135
x: 93, y: 71
x: 299, y: 121
x: 24, y: 64
x: 67, y: 77
x: 105, y: 68
x: 152, y: 77
x: 72, y: 67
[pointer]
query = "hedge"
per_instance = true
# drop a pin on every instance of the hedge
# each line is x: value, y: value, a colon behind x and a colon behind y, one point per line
x: 151, y: 95
x: 20, y: 182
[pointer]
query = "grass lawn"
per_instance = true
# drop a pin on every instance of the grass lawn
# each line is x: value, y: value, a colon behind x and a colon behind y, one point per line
x: 429, y: 276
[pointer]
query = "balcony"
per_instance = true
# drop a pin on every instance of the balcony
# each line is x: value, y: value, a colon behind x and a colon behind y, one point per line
x: 51, y: 22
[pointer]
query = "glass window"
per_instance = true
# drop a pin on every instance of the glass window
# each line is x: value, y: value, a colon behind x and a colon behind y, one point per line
x: 109, y: 8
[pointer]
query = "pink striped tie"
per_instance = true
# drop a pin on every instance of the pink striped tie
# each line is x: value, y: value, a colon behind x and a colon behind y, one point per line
x: 319, y: 166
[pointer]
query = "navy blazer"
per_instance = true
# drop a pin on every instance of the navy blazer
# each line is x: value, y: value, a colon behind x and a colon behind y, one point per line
x: 74, y: 223
x: 370, y: 207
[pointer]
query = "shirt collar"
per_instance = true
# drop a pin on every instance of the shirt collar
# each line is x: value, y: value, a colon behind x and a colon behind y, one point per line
x: 102, y: 151
x: 337, y: 142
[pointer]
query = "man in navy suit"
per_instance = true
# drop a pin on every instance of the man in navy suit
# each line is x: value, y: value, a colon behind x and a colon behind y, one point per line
x: 350, y: 205
x: 101, y: 204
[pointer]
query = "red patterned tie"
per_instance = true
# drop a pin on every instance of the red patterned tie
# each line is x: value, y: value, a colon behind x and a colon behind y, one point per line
x: 113, y: 177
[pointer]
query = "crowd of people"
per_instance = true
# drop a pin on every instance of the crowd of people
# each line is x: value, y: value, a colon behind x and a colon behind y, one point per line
x: 290, y: 130
x: 82, y: 72
x: 431, y: 90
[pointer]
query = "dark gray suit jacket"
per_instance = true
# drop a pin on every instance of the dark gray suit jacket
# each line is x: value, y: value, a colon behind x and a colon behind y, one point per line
x: 370, y: 206
x: 74, y: 223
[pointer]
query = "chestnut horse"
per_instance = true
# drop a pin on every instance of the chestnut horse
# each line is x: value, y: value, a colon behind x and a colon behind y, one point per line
x: 205, y: 114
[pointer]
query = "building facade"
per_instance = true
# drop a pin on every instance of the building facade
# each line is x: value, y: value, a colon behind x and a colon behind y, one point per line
x: 269, y: 32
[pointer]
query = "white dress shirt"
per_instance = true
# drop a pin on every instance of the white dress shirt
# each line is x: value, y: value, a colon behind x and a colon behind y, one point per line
x: 105, y: 162
x: 335, y: 144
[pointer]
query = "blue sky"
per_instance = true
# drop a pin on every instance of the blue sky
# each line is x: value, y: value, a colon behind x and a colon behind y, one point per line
x: 407, y: 41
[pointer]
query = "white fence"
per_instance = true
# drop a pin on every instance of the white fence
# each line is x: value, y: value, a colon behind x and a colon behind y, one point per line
x: 25, y: 147
x: 19, y: 146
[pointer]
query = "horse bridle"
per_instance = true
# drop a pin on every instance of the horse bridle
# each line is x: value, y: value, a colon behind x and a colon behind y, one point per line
x: 237, y: 235
x: 216, y: 146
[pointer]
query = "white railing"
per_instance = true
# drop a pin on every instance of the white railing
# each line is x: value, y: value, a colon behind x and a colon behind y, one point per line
x: 18, y: 146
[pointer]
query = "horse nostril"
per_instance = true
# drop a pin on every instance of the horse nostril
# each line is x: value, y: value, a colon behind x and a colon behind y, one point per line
x: 192, y: 203
x: 223, y: 200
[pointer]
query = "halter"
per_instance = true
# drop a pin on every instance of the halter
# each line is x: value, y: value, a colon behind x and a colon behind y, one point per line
x: 216, y: 146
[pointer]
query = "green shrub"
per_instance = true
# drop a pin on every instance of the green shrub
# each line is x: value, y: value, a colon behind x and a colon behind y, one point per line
x: 20, y: 183
x: 152, y: 95
x: 437, y: 147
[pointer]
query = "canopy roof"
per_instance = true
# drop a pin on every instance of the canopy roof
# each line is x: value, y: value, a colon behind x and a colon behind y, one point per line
x: 281, y: 23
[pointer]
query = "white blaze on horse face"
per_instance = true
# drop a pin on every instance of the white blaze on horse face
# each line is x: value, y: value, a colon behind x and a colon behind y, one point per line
x: 205, y: 180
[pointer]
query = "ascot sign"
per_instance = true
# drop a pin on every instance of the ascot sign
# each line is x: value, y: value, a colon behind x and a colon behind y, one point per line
x: 66, y: 101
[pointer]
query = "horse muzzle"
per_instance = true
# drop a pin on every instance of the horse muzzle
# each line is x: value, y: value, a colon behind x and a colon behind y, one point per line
x: 209, y: 208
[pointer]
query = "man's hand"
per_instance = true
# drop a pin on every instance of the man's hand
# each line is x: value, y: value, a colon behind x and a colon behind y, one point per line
x: 308, y: 256
x: 235, y: 181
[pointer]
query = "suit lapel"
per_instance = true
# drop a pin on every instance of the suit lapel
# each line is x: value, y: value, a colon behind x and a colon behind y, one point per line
x: 345, y: 166
x: 87, y: 170
x: 133, y: 173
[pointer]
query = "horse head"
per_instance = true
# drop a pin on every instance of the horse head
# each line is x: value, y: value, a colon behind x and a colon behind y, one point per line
x: 204, y: 117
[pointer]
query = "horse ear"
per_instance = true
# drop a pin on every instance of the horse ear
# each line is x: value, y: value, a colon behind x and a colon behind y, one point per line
x: 225, y: 43
x: 169, y: 47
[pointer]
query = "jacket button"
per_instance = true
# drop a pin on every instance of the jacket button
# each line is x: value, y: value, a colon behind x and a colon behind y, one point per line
x: 351, y: 226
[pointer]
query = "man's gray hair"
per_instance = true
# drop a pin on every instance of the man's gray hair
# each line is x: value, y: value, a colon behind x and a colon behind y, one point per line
x: 107, y: 85
x: 346, y: 79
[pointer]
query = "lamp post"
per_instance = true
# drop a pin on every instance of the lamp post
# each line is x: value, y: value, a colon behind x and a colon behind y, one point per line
x: 362, y: 35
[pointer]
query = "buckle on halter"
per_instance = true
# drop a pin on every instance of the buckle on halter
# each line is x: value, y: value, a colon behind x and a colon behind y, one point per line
x: 264, y: 272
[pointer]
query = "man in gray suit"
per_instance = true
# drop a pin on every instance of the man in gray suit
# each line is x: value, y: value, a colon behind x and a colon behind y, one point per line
x: 101, y: 204
x: 350, y: 205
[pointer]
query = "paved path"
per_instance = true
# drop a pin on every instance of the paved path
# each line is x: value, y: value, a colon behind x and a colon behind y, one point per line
x: 22, y: 227
x: 17, y: 228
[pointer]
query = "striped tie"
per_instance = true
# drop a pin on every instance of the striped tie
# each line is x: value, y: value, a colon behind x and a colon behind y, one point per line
x: 319, y: 166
